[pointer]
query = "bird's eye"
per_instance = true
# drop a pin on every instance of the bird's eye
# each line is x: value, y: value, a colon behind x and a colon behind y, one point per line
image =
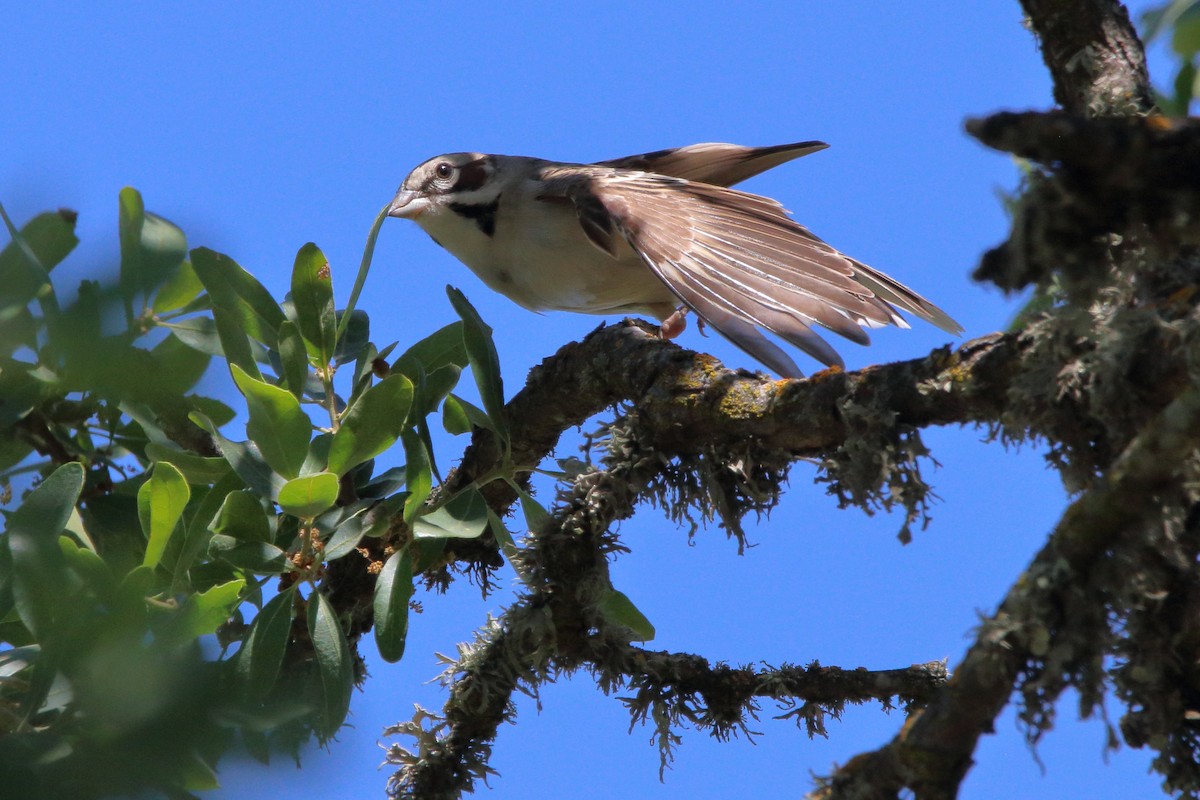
x: 444, y: 170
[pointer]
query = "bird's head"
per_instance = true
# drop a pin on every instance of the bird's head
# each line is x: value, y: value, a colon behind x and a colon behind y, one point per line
x: 454, y: 178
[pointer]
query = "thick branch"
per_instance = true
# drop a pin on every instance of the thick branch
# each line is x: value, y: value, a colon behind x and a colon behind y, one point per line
x: 933, y: 754
x: 561, y: 624
x: 1094, y: 55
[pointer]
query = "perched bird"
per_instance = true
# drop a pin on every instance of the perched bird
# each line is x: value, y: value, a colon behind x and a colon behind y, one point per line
x: 658, y: 233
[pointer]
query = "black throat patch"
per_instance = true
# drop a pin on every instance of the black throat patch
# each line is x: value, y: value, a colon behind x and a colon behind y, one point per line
x: 483, y: 215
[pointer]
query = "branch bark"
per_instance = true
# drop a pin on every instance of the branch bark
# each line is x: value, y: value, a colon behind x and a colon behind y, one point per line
x: 1094, y: 56
x: 933, y: 754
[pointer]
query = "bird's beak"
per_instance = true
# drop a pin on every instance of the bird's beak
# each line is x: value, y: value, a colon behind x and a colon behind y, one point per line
x: 408, y: 205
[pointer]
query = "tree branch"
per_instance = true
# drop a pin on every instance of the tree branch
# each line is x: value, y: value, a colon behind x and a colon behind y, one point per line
x: 933, y: 754
x: 1094, y: 55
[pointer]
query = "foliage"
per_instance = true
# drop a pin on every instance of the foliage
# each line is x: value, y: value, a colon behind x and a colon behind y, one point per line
x: 1180, y: 21
x: 150, y: 530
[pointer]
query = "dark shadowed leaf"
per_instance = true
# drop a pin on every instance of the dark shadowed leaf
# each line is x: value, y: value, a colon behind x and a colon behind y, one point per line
x: 262, y: 651
x: 49, y: 237
x: 231, y: 286
x: 198, y: 519
x: 464, y: 517
x: 293, y: 356
x: 245, y: 459
x: 418, y: 477
x: 258, y: 557
x: 355, y: 337
x: 333, y: 662
x: 200, y: 470
x: 241, y: 307
x: 38, y: 565
x: 485, y: 363
x: 393, y: 590
x: 536, y: 515
x: 178, y: 366
x: 151, y: 248
x: 345, y: 538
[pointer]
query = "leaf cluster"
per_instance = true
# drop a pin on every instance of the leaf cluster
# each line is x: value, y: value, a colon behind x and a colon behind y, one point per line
x: 162, y: 571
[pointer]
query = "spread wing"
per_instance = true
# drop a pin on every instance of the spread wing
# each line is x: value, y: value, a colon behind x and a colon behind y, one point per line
x: 715, y: 163
x: 741, y: 263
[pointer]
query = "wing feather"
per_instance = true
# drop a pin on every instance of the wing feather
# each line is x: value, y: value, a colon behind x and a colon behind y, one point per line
x: 741, y: 263
x: 738, y: 260
x: 714, y: 162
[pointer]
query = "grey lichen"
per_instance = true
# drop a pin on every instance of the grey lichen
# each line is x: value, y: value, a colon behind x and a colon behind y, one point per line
x: 878, y: 466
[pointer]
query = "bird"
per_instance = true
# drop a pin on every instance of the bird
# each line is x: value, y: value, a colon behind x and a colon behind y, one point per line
x: 658, y: 233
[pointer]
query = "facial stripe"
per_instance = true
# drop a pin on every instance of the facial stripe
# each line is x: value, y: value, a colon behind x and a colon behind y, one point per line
x: 483, y: 214
x: 473, y: 175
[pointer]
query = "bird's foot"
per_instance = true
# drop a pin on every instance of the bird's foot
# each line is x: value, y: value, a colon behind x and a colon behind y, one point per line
x: 675, y: 324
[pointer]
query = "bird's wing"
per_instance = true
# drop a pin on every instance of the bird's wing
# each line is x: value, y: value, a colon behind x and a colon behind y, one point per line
x: 739, y: 262
x: 716, y: 163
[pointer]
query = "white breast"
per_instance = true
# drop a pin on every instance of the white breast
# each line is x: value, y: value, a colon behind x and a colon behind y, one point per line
x: 540, y: 258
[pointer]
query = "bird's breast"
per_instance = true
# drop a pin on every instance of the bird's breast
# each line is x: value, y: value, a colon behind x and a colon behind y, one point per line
x: 536, y: 254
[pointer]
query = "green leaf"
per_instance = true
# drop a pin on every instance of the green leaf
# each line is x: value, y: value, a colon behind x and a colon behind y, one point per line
x: 345, y: 538
x: 232, y: 287
x: 89, y: 566
x: 245, y: 459
x: 372, y: 424
x: 485, y: 363
x: 262, y: 650
x: 536, y: 515
x: 308, y: 496
x: 356, y: 336
x: 1185, y: 36
x: 181, y: 287
x: 242, y: 516
x: 454, y: 417
x: 464, y: 517
x: 333, y: 663
x: 459, y: 412
x: 437, y: 386
x: 393, y: 590
x: 161, y: 501
x: 418, y: 478
x: 260, y: 558
x: 277, y: 424
x: 38, y: 566
x: 200, y: 333
x: 202, y: 613
x: 241, y: 307
x: 620, y: 610
x: 198, y: 775
x: 293, y: 356
x: 49, y: 237
x: 150, y: 247
x: 199, y: 470
x: 202, y: 514
x: 442, y: 347
x: 312, y: 296
x: 177, y: 367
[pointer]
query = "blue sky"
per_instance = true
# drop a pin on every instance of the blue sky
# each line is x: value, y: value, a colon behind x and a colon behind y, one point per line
x: 259, y: 127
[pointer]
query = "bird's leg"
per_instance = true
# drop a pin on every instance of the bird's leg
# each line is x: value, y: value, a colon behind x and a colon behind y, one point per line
x: 675, y: 324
